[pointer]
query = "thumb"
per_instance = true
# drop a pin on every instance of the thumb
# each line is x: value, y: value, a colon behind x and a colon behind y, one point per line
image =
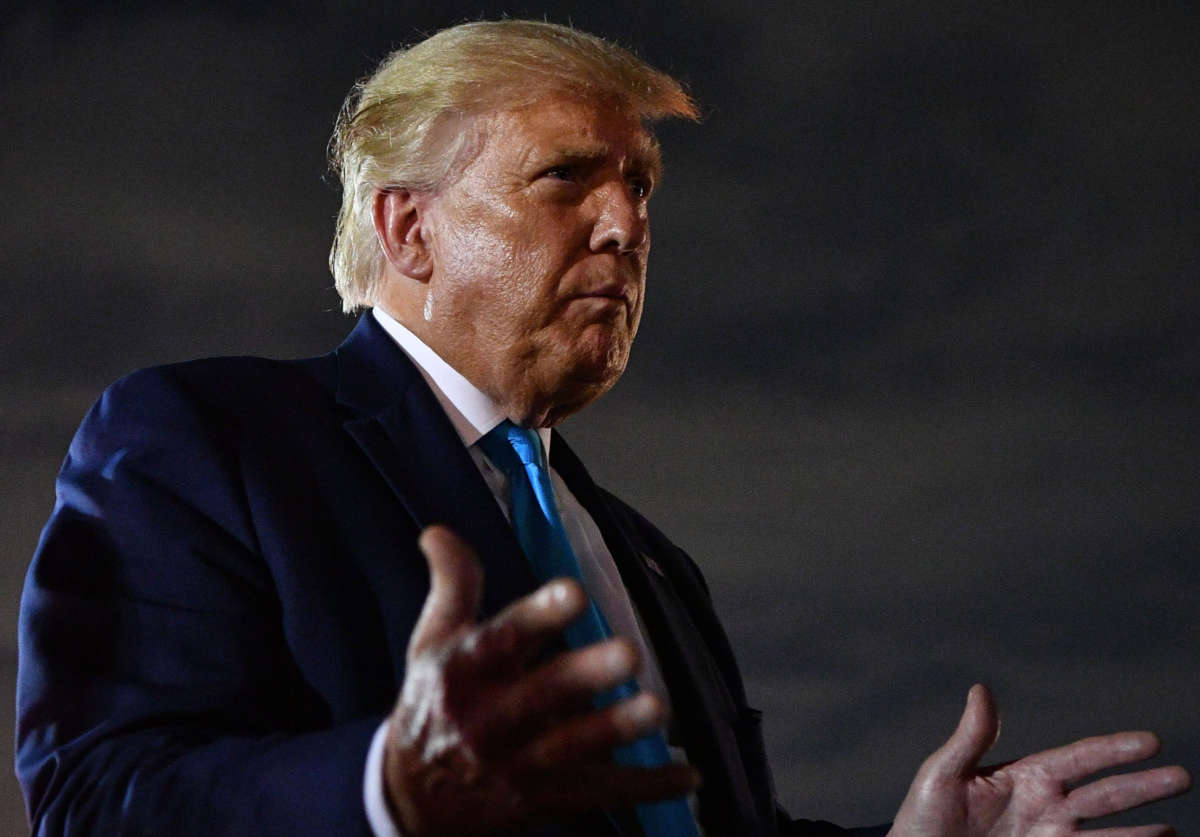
x: 976, y: 733
x: 455, y: 589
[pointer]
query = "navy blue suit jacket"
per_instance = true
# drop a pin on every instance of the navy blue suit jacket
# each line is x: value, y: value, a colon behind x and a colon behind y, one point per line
x: 216, y: 618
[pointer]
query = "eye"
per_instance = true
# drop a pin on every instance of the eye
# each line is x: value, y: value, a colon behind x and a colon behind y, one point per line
x: 567, y: 173
x: 641, y: 187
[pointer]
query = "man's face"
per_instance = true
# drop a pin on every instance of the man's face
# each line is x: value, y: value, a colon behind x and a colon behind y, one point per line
x: 539, y: 256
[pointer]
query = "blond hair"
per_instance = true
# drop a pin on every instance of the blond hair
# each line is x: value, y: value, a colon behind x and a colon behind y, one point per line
x: 397, y: 128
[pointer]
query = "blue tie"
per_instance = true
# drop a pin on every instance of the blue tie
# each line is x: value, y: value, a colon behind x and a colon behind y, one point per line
x: 517, y: 452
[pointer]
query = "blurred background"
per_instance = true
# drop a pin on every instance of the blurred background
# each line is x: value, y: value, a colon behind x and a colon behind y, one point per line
x: 917, y: 379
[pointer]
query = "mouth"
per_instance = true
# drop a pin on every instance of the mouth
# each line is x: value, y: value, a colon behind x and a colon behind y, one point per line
x: 621, y: 292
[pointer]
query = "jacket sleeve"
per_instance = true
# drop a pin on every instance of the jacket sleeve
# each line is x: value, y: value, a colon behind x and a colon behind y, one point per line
x: 156, y: 691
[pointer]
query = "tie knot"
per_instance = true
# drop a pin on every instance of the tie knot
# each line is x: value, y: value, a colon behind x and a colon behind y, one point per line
x: 506, y: 437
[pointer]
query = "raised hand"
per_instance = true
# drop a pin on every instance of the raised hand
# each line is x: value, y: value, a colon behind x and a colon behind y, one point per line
x: 1037, y: 796
x: 482, y: 740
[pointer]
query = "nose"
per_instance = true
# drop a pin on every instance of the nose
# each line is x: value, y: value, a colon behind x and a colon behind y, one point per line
x: 622, y: 219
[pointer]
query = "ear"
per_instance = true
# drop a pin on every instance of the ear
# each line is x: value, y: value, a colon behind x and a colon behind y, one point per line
x: 399, y: 216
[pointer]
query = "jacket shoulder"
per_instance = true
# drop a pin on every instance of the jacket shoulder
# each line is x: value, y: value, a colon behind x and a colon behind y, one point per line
x: 223, y: 380
x: 210, y: 392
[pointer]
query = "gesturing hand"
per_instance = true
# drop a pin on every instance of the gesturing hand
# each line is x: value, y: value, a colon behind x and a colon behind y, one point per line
x: 1036, y: 796
x: 482, y: 741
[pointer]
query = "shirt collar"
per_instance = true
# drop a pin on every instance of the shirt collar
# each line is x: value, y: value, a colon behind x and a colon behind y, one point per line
x: 472, y: 412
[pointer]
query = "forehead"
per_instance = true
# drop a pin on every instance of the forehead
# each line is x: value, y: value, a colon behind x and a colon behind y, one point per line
x: 568, y: 127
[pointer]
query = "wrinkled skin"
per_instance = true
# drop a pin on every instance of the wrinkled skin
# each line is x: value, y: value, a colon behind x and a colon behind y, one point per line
x: 483, y: 740
x: 1037, y: 796
x: 526, y: 272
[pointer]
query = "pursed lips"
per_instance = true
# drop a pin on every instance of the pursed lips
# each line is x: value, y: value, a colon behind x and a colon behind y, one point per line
x: 617, y: 291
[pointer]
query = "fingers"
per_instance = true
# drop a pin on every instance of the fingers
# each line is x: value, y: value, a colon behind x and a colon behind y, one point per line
x: 552, y: 694
x: 493, y: 658
x: 1119, y: 793
x: 976, y: 733
x: 507, y: 641
x: 1080, y: 759
x: 455, y: 587
x: 596, y: 734
x: 1160, y: 830
x: 508, y: 743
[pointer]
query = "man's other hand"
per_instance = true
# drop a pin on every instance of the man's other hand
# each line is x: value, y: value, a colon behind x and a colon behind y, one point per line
x: 485, y: 737
x: 1038, y: 796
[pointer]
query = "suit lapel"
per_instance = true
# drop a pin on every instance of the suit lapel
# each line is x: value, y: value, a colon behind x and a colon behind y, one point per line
x: 705, y: 711
x: 402, y: 429
x: 673, y: 633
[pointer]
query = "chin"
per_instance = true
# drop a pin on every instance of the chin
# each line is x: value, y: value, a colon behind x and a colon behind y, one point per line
x: 600, y: 355
x: 600, y: 371
x: 581, y: 371
x: 581, y: 386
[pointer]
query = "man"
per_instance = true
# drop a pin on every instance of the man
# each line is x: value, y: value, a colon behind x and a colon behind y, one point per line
x: 229, y: 627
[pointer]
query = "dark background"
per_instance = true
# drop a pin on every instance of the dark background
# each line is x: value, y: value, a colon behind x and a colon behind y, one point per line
x: 917, y: 381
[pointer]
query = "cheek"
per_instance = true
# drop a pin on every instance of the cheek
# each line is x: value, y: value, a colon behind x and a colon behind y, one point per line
x: 471, y: 249
x: 494, y: 280
x: 635, y: 318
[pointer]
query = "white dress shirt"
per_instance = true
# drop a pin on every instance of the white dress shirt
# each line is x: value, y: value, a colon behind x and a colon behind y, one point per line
x: 473, y: 414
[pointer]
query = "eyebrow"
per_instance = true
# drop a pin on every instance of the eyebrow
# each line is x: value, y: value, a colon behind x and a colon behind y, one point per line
x: 645, y: 156
x: 649, y: 157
